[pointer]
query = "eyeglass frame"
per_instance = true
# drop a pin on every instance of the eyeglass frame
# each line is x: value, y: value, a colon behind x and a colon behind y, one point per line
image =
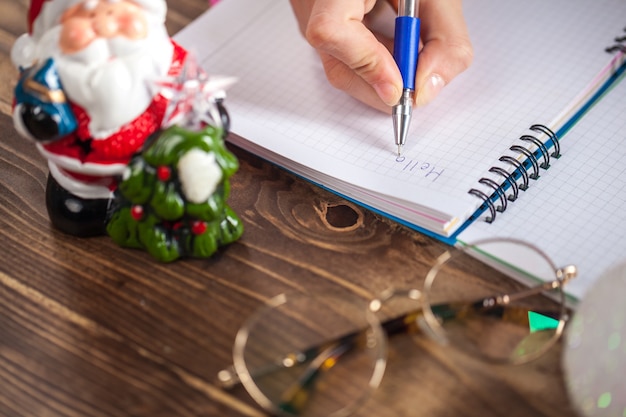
x: 428, y: 323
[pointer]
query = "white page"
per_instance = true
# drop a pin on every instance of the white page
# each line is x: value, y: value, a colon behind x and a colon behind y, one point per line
x: 531, y: 59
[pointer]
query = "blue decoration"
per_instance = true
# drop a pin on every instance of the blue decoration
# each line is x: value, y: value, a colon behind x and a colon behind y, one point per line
x: 40, y: 87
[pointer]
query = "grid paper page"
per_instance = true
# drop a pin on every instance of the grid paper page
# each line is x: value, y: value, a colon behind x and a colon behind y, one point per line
x: 531, y: 59
x: 579, y: 215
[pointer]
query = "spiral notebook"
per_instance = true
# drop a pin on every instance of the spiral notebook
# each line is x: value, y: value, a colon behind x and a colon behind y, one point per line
x: 540, y: 67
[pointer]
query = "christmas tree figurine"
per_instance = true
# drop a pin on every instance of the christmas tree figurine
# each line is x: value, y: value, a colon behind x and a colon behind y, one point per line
x: 172, y: 199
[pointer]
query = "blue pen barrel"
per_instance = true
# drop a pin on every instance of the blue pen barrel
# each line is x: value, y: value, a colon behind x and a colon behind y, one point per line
x: 406, y: 44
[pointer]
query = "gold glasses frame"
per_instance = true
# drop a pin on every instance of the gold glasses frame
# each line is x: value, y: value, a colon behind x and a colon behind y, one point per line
x: 423, y: 319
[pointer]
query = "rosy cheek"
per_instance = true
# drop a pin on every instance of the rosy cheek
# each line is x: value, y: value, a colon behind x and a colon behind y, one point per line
x: 133, y: 26
x: 76, y: 34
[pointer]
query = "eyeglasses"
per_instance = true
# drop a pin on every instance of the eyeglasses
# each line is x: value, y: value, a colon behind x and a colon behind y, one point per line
x: 324, y: 355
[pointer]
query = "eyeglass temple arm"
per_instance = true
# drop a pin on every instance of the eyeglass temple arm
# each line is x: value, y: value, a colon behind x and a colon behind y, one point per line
x: 486, y: 305
x: 563, y: 276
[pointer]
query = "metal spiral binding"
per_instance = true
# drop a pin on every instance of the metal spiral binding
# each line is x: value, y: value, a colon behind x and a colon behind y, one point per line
x: 542, y: 147
x: 509, y: 179
x: 531, y: 157
x: 520, y: 170
x: 519, y: 167
x: 498, y: 189
x: 486, y: 200
x: 555, y: 140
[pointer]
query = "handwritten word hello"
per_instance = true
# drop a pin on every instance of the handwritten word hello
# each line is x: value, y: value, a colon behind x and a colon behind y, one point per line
x: 426, y: 169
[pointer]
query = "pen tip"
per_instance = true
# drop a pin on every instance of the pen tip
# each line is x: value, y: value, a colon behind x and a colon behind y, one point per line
x: 399, y: 150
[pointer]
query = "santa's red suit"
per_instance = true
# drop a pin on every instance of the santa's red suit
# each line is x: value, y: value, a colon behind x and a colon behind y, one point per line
x: 87, y: 167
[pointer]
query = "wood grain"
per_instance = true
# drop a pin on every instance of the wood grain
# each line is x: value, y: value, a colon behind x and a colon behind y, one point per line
x: 90, y: 329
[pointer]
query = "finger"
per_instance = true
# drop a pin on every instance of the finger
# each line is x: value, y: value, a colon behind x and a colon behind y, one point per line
x: 302, y: 10
x: 356, y: 86
x: 336, y: 29
x: 447, y: 47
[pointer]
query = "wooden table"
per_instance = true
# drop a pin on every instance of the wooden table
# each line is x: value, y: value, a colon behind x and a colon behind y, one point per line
x: 90, y: 329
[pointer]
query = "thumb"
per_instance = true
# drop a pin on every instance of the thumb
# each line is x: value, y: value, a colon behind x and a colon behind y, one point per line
x: 447, y: 47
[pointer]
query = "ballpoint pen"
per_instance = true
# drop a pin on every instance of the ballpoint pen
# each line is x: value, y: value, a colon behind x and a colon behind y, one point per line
x: 405, y: 52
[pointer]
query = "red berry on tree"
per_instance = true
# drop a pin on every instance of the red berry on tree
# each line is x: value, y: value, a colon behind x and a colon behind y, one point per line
x: 198, y: 227
x: 163, y: 173
x: 136, y: 212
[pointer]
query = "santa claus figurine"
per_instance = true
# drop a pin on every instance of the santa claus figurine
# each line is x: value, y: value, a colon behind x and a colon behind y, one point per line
x: 87, y: 96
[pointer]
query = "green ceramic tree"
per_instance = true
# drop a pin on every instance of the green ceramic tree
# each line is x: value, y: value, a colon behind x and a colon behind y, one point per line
x: 171, y: 201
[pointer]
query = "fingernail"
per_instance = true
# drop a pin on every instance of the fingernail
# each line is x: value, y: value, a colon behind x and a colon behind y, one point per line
x: 388, y: 93
x: 430, y: 89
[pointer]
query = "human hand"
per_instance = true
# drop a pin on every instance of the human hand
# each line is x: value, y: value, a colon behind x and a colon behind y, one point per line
x: 358, y: 59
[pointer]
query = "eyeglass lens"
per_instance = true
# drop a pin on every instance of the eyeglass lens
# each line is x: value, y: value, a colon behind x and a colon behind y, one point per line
x: 499, y: 319
x: 297, y: 354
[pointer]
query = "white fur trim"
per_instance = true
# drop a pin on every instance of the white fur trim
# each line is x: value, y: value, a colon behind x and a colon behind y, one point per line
x: 24, y: 51
x: 78, y: 188
x: 74, y: 165
x: 199, y: 174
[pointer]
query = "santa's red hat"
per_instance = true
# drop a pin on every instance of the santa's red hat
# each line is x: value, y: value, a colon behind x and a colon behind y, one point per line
x: 44, y: 15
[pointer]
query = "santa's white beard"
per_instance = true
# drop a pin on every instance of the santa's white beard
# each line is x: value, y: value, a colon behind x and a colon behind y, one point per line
x: 113, y: 79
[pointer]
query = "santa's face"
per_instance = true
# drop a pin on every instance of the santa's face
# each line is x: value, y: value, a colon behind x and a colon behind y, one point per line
x: 108, y: 54
x: 85, y: 22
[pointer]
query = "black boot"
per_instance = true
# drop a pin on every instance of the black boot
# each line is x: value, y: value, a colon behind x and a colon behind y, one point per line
x: 82, y: 217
